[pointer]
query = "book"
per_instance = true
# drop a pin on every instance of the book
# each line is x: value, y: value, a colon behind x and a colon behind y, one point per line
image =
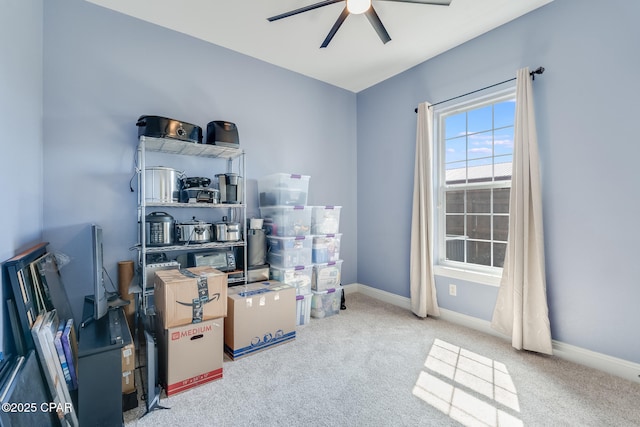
x: 70, y: 347
x: 44, y: 357
x: 44, y: 338
x: 57, y: 340
x: 35, y: 333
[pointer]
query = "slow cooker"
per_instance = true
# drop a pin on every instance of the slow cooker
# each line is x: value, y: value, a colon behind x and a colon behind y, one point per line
x: 159, y: 229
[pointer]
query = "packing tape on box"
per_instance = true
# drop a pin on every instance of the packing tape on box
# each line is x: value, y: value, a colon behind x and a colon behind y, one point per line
x: 203, y: 296
x: 197, y: 311
x: 203, y: 288
x: 197, y: 307
x: 254, y: 292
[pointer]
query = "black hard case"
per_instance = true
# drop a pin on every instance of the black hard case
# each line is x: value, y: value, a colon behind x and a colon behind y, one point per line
x: 222, y: 133
x: 163, y: 127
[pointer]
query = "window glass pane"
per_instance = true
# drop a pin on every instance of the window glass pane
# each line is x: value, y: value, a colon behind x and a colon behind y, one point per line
x: 455, y: 125
x: 501, y: 200
x: 456, y: 173
x: 503, y: 142
x: 499, y: 250
x: 500, y: 227
x: 477, y: 143
x: 479, y: 201
x: 455, y: 201
x: 504, y: 113
x: 479, y: 227
x: 479, y: 252
x: 455, y: 149
x: 480, y: 119
x: 455, y: 250
x: 502, y: 169
x: 480, y: 145
x: 480, y: 170
x: 455, y: 225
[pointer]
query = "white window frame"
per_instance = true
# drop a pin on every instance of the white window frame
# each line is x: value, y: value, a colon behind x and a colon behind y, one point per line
x: 487, y: 275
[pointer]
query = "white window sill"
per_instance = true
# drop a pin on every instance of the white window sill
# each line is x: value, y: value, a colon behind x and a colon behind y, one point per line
x: 481, y: 278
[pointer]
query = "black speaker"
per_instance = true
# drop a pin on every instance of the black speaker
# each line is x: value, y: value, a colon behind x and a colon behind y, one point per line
x: 222, y: 133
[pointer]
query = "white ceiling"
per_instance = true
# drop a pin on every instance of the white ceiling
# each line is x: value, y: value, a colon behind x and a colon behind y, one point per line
x: 356, y: 58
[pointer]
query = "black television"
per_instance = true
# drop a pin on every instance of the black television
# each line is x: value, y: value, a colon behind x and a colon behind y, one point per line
x: 100, y: 295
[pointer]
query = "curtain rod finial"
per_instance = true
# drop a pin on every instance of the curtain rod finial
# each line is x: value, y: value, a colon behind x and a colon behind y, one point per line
x: 538, y: 70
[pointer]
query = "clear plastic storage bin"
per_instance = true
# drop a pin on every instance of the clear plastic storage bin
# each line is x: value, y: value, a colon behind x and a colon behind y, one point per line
x: 325, y: 219
x: 289, y: 251
x: 326, y: 303
x: 303, y: 309
x: 287, y: 221
x: 283, y: 189
x: 326, y: 275
x: 299, y: 277
x: 325, y: 248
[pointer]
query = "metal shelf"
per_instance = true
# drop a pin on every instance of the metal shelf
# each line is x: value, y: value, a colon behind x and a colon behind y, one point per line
x: 174, y: 146
x: 193, y: 246
x: 232, y: 281
x: 234, y: 158
x: 192, y: 205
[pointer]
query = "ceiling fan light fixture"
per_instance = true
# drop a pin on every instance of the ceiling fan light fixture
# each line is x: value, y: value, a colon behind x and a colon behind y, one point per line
x: 357, y: 7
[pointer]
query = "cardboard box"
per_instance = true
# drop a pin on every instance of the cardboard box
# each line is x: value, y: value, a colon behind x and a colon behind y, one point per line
x: 259, y: 316
x: 190, y: 295
x: 128, y: 357
x: 128, y: 382
x: 190, y: 355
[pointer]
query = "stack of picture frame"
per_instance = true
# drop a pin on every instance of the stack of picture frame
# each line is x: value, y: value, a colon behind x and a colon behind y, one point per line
x: 37, y: 307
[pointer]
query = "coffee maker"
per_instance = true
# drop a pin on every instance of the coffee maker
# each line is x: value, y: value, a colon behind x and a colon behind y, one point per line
x: 257, y: 267
x: 230, y: 186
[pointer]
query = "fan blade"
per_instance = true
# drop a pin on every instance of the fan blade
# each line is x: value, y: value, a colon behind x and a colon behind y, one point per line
x: 335, y: 27
x: 432, y: 2
x: 375, y: 21
x: 303, y: 9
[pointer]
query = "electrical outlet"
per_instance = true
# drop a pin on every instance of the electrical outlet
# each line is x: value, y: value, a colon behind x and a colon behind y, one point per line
x: 453, y: 291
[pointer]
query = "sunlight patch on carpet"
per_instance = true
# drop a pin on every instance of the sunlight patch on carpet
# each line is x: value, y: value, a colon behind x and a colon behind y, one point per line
x: 471, y: 388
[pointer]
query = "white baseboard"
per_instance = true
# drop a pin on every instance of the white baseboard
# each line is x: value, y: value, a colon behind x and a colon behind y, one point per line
x: 378, y: 294
x: 612, y: 365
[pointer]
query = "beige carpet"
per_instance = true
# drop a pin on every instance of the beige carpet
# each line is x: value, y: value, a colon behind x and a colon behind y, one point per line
x: 376, y: 364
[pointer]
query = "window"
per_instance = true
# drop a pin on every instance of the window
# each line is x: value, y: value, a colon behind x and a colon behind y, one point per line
x: 475, y: 146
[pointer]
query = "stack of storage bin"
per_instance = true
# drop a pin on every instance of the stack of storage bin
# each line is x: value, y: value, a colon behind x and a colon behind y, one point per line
x: 287, y: 221
x: 327, y: 266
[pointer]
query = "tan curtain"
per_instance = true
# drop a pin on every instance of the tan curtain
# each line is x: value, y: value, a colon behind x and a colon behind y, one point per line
x: 423, y: 289
x: 521, y: 309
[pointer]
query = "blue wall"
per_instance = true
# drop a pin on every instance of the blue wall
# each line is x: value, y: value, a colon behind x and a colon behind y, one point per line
x: 102, y: 70
x: 73, y: 103
x: 21, y: 140
x: 586, y: 114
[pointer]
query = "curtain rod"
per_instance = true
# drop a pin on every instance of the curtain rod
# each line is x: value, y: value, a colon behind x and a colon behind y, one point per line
x: 533, y: 73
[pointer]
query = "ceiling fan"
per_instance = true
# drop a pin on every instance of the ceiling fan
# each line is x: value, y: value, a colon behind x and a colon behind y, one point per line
x: 356, y: 7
